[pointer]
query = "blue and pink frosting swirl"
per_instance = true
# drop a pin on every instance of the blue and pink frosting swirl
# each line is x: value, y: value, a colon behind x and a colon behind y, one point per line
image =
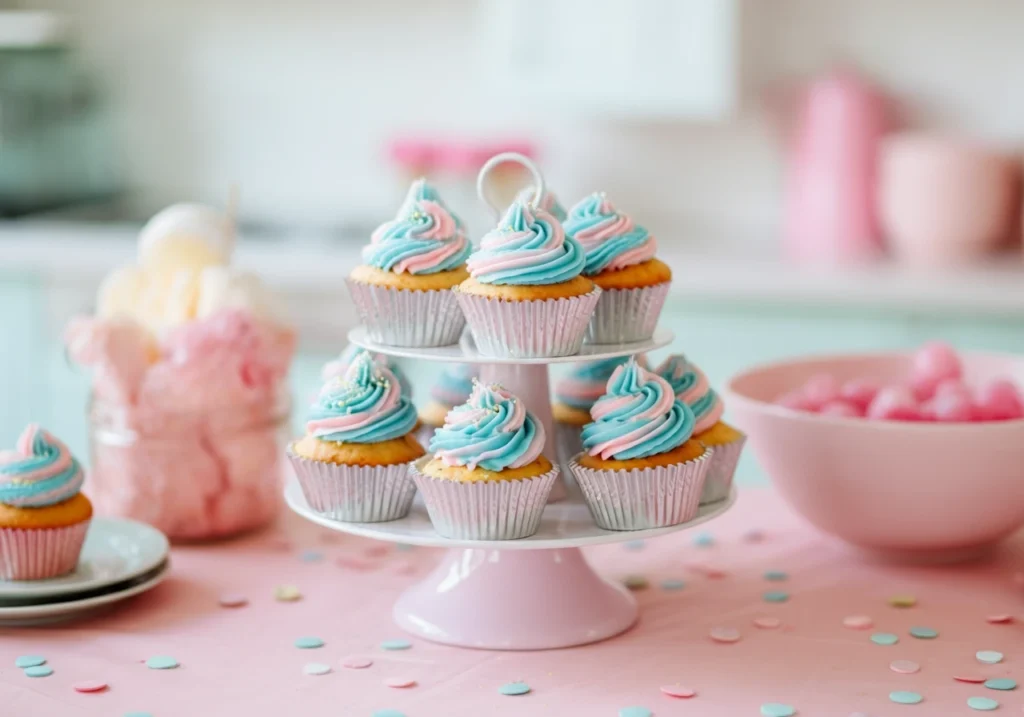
x: 424, y: 238
x: 639, y: 416
x: 548, y: 201
x: 692, y: 388
x: 493, y: 430
x: 609, y: 238
x: 367, y: 405
x: 339, y: 366
x: 527, y: 248
x: 455, y: 384
x: 586, y: 382
x: 40, y: 471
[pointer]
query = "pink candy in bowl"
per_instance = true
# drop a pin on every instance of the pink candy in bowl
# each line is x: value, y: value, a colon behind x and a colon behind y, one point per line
x: 901, y: 486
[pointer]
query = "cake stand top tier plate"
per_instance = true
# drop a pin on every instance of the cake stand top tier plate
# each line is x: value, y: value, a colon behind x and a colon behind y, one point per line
x: 566, y: 524
x: 466, y: 351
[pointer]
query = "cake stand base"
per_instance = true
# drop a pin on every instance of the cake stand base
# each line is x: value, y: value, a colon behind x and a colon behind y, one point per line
x: 515, y: 600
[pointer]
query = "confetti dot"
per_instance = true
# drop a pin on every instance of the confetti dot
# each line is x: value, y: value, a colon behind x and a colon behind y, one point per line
x: 287, y: 593
x: 767, y: 623
x: 356, y: 663
x: 316, y: 668
x: 982, y: 704
x: 634, y: 545
x: 29, y: 661
x: 905, y: 698
x: 233, y: 600
x: 311, y: 556
x: 681, y: 692
x: 1001, y: 683
x: 39, y: 671
x: 904, y: 667
x: 858, y: 622
x: 903, y: 601
x: 635, y: 712
x: 89, y: 686
x: 388, y: 713
x: 673, y: 584
x: 775, y: 576
x: 512, y: 689
x: 975, y: 679
x: 725, y: 634
x: 775, y: 596
x: 923, y: 633
x: 308, y: 643
x: 884, y: 638
x: 989, y: 657
x: 777, y: 709
x: 704, y: 540
x: 999, y: 619
x: 400, y: 682
x: 635, y: 582
x: 161, y: 662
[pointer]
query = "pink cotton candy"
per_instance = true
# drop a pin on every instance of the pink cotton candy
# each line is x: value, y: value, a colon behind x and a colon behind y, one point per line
x: 894, y: 403
x: 860, y: 392
x: 998, y: 400
x: 120, y: 352
x: 821, y: 389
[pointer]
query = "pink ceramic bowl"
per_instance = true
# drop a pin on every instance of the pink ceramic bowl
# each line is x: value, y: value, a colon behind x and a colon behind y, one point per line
x: 895, y: 486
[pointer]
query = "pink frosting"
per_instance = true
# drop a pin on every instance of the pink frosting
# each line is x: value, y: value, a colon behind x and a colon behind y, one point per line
x: 450, y: 240
x: 653, y: 419
x: 697, y: 390
x: 492, y: 258
x: 468, y: 456
x: 583, y: 391
x: 594, y: 236
x: 710, y: 418
x: 349, y: 421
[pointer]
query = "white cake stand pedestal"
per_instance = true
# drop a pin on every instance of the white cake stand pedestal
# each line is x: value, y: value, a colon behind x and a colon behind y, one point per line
x: 537, y: 593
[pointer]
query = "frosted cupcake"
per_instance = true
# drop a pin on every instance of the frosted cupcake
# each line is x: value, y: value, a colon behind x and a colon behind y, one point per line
x: 620, y: 260
x: 353, y: 463
x: 525, y: 296
x: 548, y: 201
x: 640, y: 467
x: 339, y: 366
x: 452, y: 388
x: 487, y: 479
x: 403, y: 290
x: 43, y: 516
x: 691, y: 387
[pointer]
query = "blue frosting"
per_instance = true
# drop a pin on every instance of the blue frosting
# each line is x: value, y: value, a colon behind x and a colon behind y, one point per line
x: 548, y: 202
x: 678, y: 372
x: 421, y: 189
x: 45, y: 473
x: 363, y: 389
x: 595, y: 373
x: 545, y: 254
x: 455, y: 384
x: 348, y: 357
x: 591, y: 214
x: 638, y: 391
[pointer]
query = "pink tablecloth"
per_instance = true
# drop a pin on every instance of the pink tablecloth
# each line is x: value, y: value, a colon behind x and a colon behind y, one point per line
x: 242, y: 661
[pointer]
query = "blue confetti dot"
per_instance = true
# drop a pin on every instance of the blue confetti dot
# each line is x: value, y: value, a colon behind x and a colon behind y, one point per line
x: 704, y: 540
x: 39, y: 671
x: 29, y: 661
x: 309, y: 643
x: 388, y: 713
x: 777, y: 709
x: 884, y: 638
x: 982, y: 704
x: 776, y: 576
x: 923, y: 633
x: 395, y: 645
x: 311, y: 556
x: 635, y: 712
x: 775, y: 596
x: 905, y: 698
x: 673, y: 584
x: 1001, y: 683
x: 514, y: 688
x: 634, y: 545
x: 161, y: 662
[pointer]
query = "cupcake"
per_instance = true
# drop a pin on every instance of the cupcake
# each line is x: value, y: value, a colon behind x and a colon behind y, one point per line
x: 620, y: 260
x: 640, y: 467
x: 340, y: 365
x: 525, y: 296
x: 43, y: 516
x: 403, y: 290
x: 487, y: 479
x: 452, y: 388
x: 691, y: 387
x: 353, y: 463
x: 548, y: 201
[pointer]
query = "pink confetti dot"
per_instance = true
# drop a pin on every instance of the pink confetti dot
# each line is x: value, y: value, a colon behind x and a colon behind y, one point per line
x: 356, y: 663
x: 904, y: 667
x: 767, y: 623
x: 725, y: 634
x: 858, y: 622
x: 676, y: 691
x: 400, y: 682
x: 999, y: 619
x: 973, y: 679
x: 754, y: 535
x: 233, y: 600
x: 88, y: 686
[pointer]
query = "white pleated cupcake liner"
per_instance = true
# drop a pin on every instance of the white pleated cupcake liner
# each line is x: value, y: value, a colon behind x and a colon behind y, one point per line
x: 625, y: 316
x: 644, y: 498
x: 355, y: 494
x: 528, y: 329
x: 40, y: 553
x: 722, y: 470
x: 402, y: 317
x: 485, y: 510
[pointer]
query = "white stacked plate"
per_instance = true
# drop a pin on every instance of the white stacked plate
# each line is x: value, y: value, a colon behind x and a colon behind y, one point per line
x: 120, y: 558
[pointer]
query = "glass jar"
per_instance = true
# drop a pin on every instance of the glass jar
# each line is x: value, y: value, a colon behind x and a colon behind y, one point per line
x: 195, y: 476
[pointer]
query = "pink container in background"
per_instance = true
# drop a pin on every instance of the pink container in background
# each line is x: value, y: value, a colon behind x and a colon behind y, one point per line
x: 944, y: 200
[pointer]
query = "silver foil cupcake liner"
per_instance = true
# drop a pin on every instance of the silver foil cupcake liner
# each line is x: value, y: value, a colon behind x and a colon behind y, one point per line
x: 355, y: 494
x: 640, y: 499
x: 485, y: 510
x: 403, y: 317
x: 528, y: 329
x: 40, y: 553
x: 627, y: 315
x: 722, y: 470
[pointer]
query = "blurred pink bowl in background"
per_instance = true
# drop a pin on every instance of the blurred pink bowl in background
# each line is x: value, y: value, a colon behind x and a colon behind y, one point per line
x: 908, y: 489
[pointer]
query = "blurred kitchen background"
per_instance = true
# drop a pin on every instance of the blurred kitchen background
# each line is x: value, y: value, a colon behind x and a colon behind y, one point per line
x: 822, y: 175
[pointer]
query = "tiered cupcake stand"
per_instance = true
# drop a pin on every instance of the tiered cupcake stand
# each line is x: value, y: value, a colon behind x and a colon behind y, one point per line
x: 532, y: 594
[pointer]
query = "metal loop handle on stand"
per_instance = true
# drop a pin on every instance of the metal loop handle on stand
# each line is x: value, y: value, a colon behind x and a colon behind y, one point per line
x: 481, y: 179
